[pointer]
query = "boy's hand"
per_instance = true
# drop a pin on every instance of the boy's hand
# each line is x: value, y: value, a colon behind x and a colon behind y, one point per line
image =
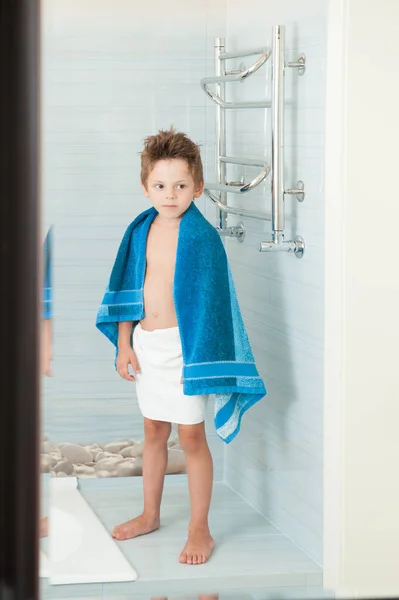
x: 127, y: 356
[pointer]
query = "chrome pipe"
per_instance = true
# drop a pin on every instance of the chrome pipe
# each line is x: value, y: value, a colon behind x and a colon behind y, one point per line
x: 297, y: 246
x: 237, y: 232
x: 236, y: 160
x: 222, y: 77
x: 236, y: 211
x: 240, y: 189
x: 277, y: 243
x: 221, y: 217
x: 275, y: 247
x: 228, y: 55
x: 239, y: 76
x: 256, y: 181
x: 237, y: 105
x: 277, y: 115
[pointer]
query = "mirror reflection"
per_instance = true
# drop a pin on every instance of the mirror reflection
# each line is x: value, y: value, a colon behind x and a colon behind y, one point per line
x: 182, y: 397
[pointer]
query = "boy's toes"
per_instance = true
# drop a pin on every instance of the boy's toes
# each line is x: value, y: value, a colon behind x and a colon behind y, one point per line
x: 198, y: 549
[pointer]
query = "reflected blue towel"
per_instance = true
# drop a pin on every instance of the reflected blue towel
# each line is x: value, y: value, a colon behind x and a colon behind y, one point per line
x: 217, y: 357
x: 47, y: 284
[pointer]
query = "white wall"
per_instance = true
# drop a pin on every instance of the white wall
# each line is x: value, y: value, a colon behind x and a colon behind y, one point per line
x: 114, y: 71
x: 276, y: 461
x: 362, y: 326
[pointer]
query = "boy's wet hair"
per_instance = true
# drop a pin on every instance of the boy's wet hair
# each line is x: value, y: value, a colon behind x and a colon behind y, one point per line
x: 169, y: 144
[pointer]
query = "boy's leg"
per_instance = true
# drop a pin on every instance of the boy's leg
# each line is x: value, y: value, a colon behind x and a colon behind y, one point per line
x: 200, y: 478
x: 43, y: 527
x: 155, y: 458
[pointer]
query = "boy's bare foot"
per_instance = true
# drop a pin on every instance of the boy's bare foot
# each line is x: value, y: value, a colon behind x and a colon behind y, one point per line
x: 139, y: 526
x: 198, y: 547
x: 43, y: 527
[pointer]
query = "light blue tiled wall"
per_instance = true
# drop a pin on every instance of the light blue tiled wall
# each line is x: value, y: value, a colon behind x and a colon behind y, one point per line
x: 276, y: 461
x: 112, y: 76
x: 114, y: 71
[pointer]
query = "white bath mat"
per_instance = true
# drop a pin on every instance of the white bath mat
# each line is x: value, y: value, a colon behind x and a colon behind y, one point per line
x: 80, y: 548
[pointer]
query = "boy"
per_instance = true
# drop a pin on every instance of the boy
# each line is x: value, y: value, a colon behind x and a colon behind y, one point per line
x: 46, y: 355
x: 171, y: 287
x: 47, y: 307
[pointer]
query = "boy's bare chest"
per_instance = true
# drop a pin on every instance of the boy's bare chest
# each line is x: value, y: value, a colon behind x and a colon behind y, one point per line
x: 161, y: 249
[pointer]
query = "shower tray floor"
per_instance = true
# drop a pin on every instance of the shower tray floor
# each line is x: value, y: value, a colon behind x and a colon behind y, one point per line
x: 250, y: 553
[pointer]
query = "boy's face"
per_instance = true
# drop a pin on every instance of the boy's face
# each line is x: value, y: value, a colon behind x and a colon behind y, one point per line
x: 171, y: 188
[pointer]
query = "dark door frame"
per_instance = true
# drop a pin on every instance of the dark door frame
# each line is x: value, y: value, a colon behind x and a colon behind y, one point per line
x: 20, y: 297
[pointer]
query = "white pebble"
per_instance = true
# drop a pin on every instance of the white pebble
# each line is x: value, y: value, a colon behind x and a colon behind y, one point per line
x: 176, y: 462
x: 46, y: 447
x: 45, y: 466
x: 112, y: 455
x: 64, y: 467
x: 128, y: 470
x: 84, y: 470
x: 108, y: 464
x: 75, y: 453
x: 137, y: 450
x: 127, y: 451
x: 106, y: 473
x: 115, y: 447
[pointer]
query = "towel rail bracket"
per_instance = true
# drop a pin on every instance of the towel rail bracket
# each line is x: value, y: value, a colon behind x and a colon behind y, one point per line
x: 236, y: 231
x: 299, y: 65
x: 299, y: 191
x: 239, y: 71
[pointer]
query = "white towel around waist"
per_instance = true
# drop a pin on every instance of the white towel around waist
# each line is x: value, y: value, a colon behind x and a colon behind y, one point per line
x: 159, y: 391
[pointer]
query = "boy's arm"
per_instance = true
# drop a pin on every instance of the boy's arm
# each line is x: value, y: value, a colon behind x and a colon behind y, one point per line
x: 126, y: 355
x: 47, y: 346
x: 124, y: 334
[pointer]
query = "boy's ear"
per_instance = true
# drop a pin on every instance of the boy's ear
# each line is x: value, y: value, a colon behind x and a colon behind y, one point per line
x: 199, y: 190
x: 146, y: 194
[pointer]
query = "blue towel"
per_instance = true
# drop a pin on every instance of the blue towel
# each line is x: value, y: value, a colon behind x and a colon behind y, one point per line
x: 47, y: 312
x: 217, y: 357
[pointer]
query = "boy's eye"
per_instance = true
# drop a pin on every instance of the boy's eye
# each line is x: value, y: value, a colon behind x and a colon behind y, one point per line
x: 160, y: 186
